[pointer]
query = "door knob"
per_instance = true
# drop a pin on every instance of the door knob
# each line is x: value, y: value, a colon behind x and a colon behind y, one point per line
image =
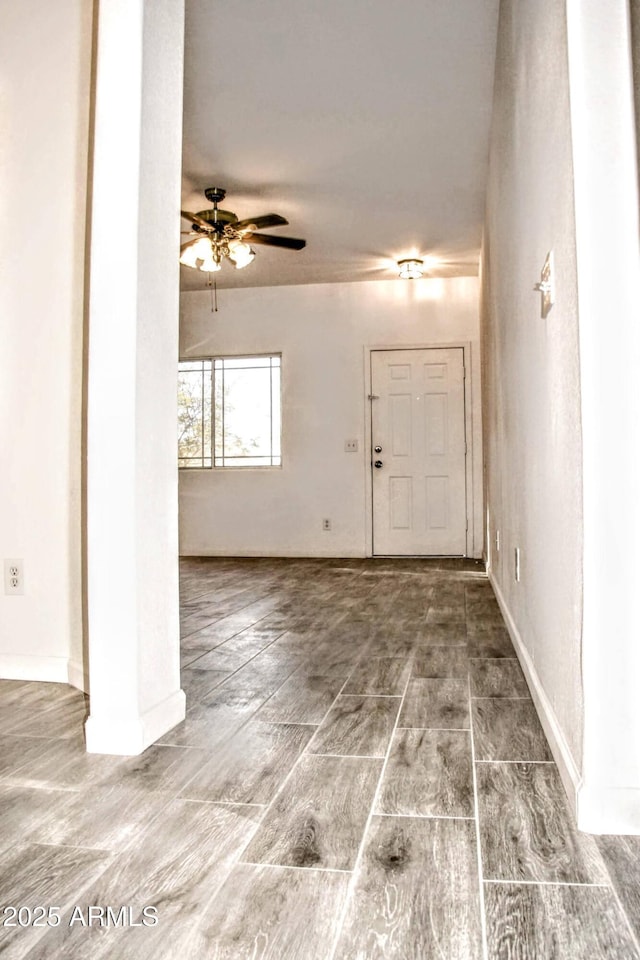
x: 378, y: 449
x: 378, y: 464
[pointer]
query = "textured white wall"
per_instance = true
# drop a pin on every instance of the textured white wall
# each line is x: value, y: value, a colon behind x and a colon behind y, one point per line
x: 532, y: 411
x: 132, y: 530
x: 45, y: 54
x: 561, y: 404
x: 608, y: 258
x: 322, y: 331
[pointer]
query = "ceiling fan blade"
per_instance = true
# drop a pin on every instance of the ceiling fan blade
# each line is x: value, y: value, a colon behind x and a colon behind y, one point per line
x: 259, y: 223
x: 197, y: 220
x: 291, y: 243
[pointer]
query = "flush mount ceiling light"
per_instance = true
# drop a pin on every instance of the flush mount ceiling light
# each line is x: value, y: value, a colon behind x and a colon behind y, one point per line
x: 218, y: 234
x: 410, y: 269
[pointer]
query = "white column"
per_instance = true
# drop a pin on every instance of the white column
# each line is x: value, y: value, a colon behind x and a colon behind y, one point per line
x: 608, y: 261
x: 132, y: 512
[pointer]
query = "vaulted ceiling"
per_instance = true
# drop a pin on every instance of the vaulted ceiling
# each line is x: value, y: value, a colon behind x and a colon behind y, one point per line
x: 364, y: 122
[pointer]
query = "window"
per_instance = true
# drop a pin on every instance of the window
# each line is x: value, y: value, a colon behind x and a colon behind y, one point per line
x: 194, y: 413
x: 229, y: 412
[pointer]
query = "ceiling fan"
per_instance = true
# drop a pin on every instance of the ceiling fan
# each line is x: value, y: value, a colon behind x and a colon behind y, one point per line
x: 218, y: 234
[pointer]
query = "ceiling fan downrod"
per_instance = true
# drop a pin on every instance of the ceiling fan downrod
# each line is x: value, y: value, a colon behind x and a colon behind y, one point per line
x: 216, y: 195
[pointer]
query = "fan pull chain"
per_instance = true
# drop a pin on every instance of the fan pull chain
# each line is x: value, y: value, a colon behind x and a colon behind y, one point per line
x: 214, y: 293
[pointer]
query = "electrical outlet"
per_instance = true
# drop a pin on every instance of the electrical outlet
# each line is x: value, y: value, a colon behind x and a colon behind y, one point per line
x: 14, y: 577
x: 516, y: 570
x: 351, y: 446
x: 326, y: 524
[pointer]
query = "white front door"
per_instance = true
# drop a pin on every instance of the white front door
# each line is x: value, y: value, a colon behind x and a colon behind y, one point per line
x: 418, y: 452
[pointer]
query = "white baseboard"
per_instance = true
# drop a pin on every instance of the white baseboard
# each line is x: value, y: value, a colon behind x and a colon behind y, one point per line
x: 78, y: 676
x: 129, y: 735
x: 21, y: 667
x: 569, y: 773
x: 275, y: 554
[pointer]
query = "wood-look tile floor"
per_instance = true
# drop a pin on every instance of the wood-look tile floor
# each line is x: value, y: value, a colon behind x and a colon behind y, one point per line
x: 361, y: 774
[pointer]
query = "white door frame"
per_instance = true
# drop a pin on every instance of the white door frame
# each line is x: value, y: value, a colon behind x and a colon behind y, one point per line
x: 473, y: 548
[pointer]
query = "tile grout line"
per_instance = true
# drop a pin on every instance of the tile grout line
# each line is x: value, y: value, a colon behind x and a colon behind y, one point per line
x: 306, y: 752
x: 529, y: 762
x: 288, y: 866
x: 247, y: 626
x: 71, y: 901
x: 379, y: 696
x: 483, y: 919
x: 350, y: 756
x: 545, y: 883
x: 422, y: 816
x: 614, y: 890
x: 365, y: 833
x: 110, y: 852
x: 238, y: 858
x: 242, y: 665
x: 214, y: 621
x: 222, y: 803
x: 501, y: 698
x: 441, y: 729
x: 290, y: 723
x: 280, y: 789
x: 499, y: 659
x: 494, y: 659
x: 271, y: 592
x: 244, y: 723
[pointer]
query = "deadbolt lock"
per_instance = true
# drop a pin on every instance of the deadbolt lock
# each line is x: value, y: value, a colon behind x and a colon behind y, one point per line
x: 378, y: 449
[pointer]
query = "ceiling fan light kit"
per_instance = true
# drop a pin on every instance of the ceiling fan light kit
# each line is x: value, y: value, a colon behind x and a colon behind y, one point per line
x: 197, y: 252
x: 208, y: 265
x: 410, y: 269
x: 241, y: 253
x: 219, y: 235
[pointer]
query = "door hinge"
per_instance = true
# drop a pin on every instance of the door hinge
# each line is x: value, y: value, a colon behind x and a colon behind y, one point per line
x: 372, y: 396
